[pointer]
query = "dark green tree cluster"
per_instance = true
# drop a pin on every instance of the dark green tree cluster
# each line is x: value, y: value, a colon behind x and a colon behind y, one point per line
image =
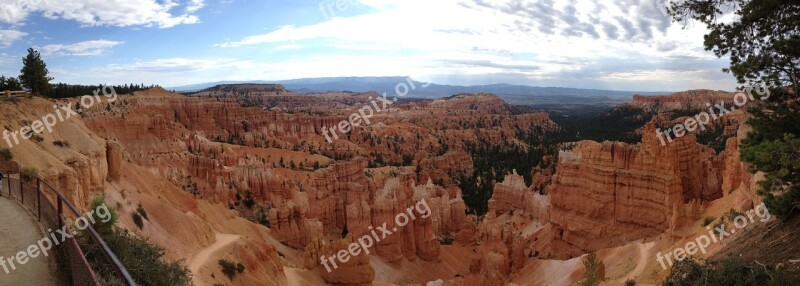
x: 34, y: 77
x: 62, y: 90
x: 763, y: 44
x: 230, y: 269
x: 491, y: 162
x: 9, y: 83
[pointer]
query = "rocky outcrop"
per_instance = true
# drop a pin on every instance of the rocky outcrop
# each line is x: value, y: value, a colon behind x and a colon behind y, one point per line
x: 608, y: 194
x: 354, y: 270
x: 513, y: 196
x: 114, y: 158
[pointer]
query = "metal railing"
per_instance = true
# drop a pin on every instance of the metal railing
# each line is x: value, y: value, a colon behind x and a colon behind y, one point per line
x: 47, y: 205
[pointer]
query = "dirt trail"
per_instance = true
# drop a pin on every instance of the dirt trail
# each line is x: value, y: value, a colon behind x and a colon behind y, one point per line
x: 202, y: 257
x: 292, y: 278
x: 18, y: 230
x: 644, y: 253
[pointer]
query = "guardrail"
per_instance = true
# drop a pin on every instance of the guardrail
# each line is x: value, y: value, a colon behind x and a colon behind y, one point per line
x: 38, y: 197
x: 11, y: 94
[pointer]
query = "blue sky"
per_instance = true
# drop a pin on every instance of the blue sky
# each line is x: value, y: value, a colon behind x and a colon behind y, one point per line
x: 623, y: 44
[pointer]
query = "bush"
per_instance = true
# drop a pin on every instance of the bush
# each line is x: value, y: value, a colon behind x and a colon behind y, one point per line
x: 6, y: 154
x: 733, y: 214
x: 60, y: 143
x: 143, y: 260
x: 229, y: 268
x: 708, y: 220
x: 729, y: 271
x: 31, y: 172
x: 100, y: 226
x: 137, y: 219
x: 447, y: 239
x: 630, y: 282
x: 140, y: 210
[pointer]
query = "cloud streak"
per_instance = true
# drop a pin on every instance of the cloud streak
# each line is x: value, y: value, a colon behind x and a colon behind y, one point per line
x: 87, y: 48
x: 119, y: 13
x: 8, y: 37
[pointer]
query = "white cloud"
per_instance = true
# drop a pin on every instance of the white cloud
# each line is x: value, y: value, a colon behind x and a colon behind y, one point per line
x: 8, y: 37
x: 167, y: 71
x: 87, y: 48
x: 544, y: 41
x: 121, y: 13
x: 290, y: 47
x: 195, y: 5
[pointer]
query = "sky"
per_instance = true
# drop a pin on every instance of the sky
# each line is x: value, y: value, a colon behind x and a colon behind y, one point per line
x: 602, y: 44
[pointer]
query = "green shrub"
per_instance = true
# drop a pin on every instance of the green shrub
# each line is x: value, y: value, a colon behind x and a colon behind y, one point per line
x: 630, y: 282
x: 708, y: 220
x: 60, y: 143
x: 729, y: 271
x: 733, y: 214
x: 446, y: 239
x: 140, y: 210
x: 137, y: 219
x: 100, y: 226
x: 239, y: 267
x: 6, y: 154
x: 143, y: 260
x: 30, y: 172
x: 228, y: 268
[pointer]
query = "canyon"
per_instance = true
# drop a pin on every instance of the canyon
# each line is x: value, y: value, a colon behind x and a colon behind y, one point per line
x: 242, y: 172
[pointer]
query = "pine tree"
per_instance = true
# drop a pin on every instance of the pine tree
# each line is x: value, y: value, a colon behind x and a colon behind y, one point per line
x: 595, y: 271
x: 34, y: 73
x: 9, y: 83
x: 762, y: 44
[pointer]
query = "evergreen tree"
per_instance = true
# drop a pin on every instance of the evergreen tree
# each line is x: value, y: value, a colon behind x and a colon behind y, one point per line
x: 9, y: 83
x: 34, y: 73
x: 762, y: 43
x: 595, y: 271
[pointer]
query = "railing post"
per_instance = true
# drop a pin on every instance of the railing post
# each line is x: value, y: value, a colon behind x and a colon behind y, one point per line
x: 60, y: 213
x: 39, y: 198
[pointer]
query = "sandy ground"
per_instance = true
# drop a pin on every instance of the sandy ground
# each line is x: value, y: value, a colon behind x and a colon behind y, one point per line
x: 18, y: 230
x: 202, y: 257
x: 641, y: 264
x: 300, y: 277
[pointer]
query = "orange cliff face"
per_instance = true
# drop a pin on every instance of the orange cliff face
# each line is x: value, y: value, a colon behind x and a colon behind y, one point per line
x: 609, y: 194
x: 200, y: 165
x: 221, y: 150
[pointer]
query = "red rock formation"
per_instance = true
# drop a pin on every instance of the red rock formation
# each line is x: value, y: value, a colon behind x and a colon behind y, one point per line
x: 354, y: 270
x: 114, y: 157
x: 622, y: 193
x: 513, y: 196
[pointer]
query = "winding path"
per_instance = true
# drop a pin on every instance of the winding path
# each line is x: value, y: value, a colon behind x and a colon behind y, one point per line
x: 202, y: 257
x: 18, y: 231
x: 644, y: 251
